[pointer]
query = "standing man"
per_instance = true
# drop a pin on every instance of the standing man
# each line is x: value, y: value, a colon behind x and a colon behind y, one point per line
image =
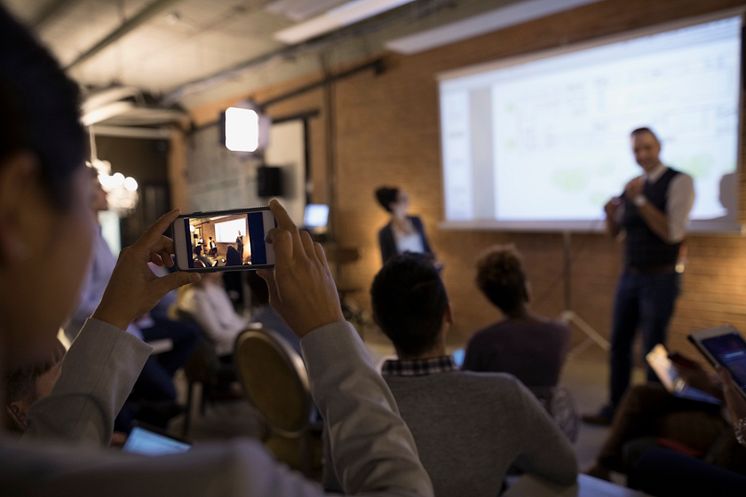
x: 652, y: 214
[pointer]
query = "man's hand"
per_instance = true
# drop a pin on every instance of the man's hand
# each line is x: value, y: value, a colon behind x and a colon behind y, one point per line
x: 696, y: 376
x: 612, y: 207
x: 133, y: 289
x: 634, y: 188
x: 301, y: 287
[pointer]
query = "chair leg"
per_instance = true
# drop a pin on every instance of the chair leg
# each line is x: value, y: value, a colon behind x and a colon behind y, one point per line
x: 188, y: 414
x: 205, y: 397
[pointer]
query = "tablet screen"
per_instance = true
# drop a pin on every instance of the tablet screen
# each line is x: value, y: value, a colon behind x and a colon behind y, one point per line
x: 729, y: 350
x: 149, y: 443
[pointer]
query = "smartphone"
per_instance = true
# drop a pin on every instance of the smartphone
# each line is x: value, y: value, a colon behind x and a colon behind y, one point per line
x: 724, y: 347
x: 232, y: 240
x: 150, y: 441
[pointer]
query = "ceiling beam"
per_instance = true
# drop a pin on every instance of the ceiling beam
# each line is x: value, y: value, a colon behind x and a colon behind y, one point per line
x: 426, y: 7
x: 144, y: 15
x: 49, y: 11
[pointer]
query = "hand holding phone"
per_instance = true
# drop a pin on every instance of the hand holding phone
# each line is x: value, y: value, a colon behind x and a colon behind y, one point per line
x: 301, y: 286
x: 133, y: 289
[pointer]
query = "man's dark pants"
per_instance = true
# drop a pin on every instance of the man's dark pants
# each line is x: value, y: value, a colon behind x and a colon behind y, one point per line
x: 643, y: 301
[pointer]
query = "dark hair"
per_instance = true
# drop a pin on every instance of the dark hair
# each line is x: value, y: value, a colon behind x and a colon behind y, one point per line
x: 21, y: 383
x: 39, y: 110
x: 387, y: 195
x: 643, y: 130
x: 258, y: 288
x: 231, y: 257
x: 501, y: 278
x: 409, y: 301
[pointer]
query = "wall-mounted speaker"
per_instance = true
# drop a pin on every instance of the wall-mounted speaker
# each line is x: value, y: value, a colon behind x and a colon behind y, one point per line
x: 269, y: 181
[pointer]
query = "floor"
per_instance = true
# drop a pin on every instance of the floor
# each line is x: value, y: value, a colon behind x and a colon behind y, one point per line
x: 585, y: 375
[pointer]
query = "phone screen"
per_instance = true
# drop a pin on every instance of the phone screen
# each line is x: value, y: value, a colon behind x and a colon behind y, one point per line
x: 226, y: 240
x: 729, y: 350
x: 150, y: 443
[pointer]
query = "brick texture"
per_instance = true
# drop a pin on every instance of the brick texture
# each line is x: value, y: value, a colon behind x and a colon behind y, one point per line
x: 387, y: 132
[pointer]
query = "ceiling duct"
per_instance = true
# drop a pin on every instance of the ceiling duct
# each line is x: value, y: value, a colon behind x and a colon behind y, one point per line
x: 126, y: 106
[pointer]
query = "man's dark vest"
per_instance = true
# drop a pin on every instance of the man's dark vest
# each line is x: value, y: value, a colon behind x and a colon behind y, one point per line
x: 644, y: 249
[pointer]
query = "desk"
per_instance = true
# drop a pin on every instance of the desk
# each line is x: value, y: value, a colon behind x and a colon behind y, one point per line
x: 587, y: 486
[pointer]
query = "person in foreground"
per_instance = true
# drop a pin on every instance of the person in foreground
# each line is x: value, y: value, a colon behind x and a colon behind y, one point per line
x: 470, y: 428
x: 44, y: 192
x: 649, y: 416
x: 665, y: 473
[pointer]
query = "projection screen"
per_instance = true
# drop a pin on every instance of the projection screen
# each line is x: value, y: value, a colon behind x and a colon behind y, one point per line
x: 542, y: 142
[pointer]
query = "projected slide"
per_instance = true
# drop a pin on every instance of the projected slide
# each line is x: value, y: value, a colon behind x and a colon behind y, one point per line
x: 547, y: 140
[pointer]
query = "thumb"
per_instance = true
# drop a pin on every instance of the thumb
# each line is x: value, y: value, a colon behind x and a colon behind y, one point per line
x: 172, y: 281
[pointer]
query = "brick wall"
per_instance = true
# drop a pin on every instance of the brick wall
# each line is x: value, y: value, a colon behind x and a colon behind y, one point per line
x: 387, y: 132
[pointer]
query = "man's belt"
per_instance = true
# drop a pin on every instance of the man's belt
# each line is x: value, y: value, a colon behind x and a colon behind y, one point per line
x: 658, y: 269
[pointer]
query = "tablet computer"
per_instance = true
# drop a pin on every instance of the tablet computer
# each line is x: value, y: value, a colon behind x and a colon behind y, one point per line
x: 150, y: 441
x: 725, y: 347
x: 669, y: 375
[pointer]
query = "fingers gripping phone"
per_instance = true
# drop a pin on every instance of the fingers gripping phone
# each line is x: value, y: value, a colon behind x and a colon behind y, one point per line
x: 232, y: 240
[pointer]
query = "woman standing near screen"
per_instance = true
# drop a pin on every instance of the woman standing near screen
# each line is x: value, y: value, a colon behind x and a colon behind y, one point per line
x: 403, y: 233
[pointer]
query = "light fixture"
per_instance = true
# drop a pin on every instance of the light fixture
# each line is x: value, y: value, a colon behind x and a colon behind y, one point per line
x: 338, y: 17
x: 241, y: 129
x: 245, y: 128
x: 121, y: 191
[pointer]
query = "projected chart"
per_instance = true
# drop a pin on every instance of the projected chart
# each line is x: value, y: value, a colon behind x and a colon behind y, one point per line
x: 548, y: 139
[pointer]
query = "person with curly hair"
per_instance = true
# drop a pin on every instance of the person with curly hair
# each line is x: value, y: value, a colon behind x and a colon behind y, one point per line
x: 530, y: 347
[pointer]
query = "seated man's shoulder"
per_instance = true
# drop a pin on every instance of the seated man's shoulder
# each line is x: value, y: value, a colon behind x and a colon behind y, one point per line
x: 491, y: 383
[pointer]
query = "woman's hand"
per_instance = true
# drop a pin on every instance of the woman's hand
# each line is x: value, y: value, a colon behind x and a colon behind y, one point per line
x: 133, y: 289
x: 301, y: 287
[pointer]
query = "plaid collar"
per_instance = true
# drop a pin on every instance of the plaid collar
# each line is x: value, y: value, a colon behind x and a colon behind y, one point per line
x: 418, y: 367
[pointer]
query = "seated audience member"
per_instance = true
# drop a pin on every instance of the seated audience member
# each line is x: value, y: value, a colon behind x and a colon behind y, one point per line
x: 666, y: 473
x: 528, y: 346
x: 153, y: 399
x: 209, y: 305
x: 470, y: 428
x: 45, y: 192
x: 649, y: 416
x: 403, y: 233
x: 27, y: 384
x: 263, y: 313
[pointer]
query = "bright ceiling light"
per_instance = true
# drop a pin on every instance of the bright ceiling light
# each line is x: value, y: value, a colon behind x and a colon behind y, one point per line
x: 339, y: 17
x: 241, y: 129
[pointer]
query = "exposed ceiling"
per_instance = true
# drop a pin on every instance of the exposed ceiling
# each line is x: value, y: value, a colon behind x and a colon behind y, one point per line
x: 189, y: 52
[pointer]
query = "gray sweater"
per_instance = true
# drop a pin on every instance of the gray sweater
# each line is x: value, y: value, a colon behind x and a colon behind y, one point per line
x: 471, y: 427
